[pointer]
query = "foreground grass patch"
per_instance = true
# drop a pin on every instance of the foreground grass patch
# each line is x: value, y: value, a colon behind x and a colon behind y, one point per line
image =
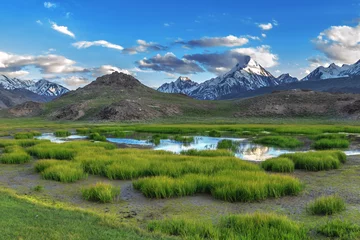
x: 326, y: 205
x: 258, y: 226
x: 340, y: 228
x: 278, y: 165
x: 279, y: 141
x: 337, y: 143
x: 14, y: 155
x: 26, y: 135
x: 61, y: 171
x: 26, y: 218
x: 100, y: 192
x: 232, y: 186
x: 208, y: 153
x: 62, y: 133
x: 317, y: 161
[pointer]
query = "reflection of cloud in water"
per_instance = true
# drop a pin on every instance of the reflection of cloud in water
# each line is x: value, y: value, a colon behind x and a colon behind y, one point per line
x: 54, y: 139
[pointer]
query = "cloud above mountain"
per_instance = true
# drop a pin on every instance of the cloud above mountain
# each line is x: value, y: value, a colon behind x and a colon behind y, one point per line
x: 219, y: 63
x: 99, y: 43
x: 144, y: 46
x: 170, y: 63
x: 48, y: 64
x: 340, y: 43
x: 228, y: 41
x: 62, y: 29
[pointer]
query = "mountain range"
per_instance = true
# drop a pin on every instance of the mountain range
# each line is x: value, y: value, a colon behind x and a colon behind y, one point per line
x: 14, y: 91
x: 249, y: 77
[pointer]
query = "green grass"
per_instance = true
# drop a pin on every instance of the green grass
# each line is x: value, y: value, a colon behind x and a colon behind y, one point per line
x: 231, y: 186
x: 336, y: 143
x: 279, y: 141
x: 317, y: 161
x: 259, y: 226
x: 100, y: 192
x: 65, y: 172
x: 214, y: 133
x: 280, y: 164
x: 339, y: 228
x: 38, y: 188
x: 329, y: 136
x: 26, y: 135
x: 97, y: 137
x: 62, y: 133
x: 14, y: 155
x: 51, y: 151
x: 207, y: 153
x: 227, y: 144
x: 326, y: 205
x: 27, y: 218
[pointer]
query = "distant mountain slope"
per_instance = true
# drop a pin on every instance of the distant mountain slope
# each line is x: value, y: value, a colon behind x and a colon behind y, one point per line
x: 41, y: 87
x: 182, y: 85
x: 245, y: 76
x: 334, y: 71
x: 10, y: 98
x: 120, y: 97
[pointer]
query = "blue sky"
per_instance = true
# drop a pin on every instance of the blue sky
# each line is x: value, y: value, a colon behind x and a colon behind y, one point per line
x: 73, y: 42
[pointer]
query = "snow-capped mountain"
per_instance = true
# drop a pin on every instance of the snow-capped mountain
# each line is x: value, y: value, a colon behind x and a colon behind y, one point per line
x: 182, y: 85
x: 245, y: 76
x: 334, y: 71
x: 286, y: 78
x: 41, y: 87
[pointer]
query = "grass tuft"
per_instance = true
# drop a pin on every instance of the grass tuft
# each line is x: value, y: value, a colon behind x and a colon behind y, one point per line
x: 69, y: 172
x: 337, y: 143
x: 326, y: 205
x: 280, y: 164
x: 279, y: 141
x: 14, y: 155
x: 100, y: 192
x: 340, y: 228
x: 62, y: 133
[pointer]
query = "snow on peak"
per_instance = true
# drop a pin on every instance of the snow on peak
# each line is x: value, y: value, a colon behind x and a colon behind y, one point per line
x: 41, y: 87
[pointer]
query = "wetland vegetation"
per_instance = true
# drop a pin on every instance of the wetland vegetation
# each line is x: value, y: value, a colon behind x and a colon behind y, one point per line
x: 180, y: 195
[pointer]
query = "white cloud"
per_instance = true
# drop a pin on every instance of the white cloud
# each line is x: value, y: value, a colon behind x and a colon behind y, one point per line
x: 68, y: 15
x: 39, y: 22
x: 108, y: 69
x: 261, y: 54
x: 49, y: 5
x: 266, y: 26
x: 62, y: 29
x: 46, y: 63
x: 73, y: 82
x: 340, y: 43
x: 220, y: 63
x: 171, y: 76
x: 228, y: 41
x: 263, y: 35
x: 144, y: 46
x: 15, y: 74
x: 166, y: 24
x: 101, y: 43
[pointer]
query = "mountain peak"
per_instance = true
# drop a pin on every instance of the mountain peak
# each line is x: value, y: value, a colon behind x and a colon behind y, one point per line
x: 116, y: 79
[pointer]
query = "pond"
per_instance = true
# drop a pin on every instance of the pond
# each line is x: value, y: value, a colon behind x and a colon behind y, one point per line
x: 246, y: 149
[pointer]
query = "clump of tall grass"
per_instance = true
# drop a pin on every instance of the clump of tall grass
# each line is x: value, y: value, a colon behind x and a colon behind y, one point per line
x: 62, y: 133
x: 207, y: 153
x: 100, y: 192
x: 50, y: 151
x: 317, y: 161
x: 231, y: 186
x: 156, y: 139
x: 119, y: 134
x: 339, y: 228
x: 325, y: 143
x: 185, y: 228
x: 280, y: 164
x: 41, y: 165
x: 14, y: 155
x: 214, y: 133
x: 26, y: 135
x: 329, y: 136
x: 279, y: 141
x: 97, y: 137
x: 227, y: 144
x: 260, y: 226
x: 64, y: 172
x: 83, y: 131
x: 326, y: 205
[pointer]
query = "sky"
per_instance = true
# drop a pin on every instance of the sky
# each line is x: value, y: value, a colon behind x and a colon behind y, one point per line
x: 72, y: 42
